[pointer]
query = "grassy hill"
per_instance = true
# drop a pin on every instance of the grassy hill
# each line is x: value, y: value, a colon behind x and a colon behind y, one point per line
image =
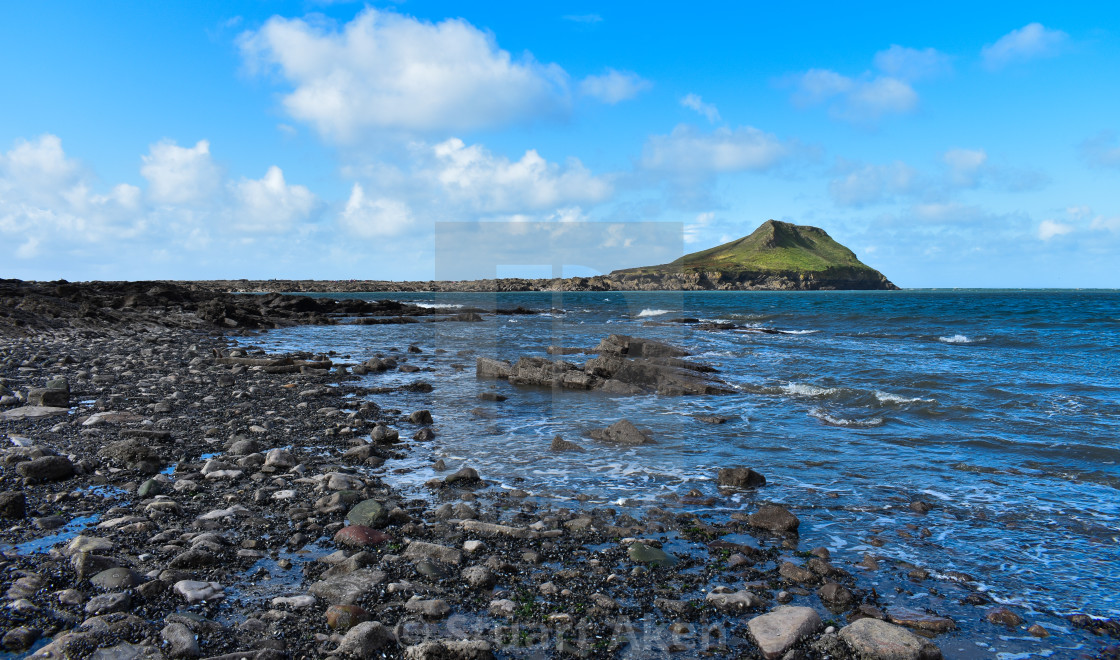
x: 773, y: 247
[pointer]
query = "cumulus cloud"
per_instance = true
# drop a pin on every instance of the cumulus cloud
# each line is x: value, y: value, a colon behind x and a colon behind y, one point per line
x: 1101, y: 150
x: 614, y: 86
x: 270, y: 204
x: 384, y: 70
x: 870, y: 96
x: 696, y: 103
x: 56, y: 217
x: 375, y: 218
x: 911, y: 63
x: 964, y: 166
x: 1032, y: 41
x: 180, y: 175
x: 695, y: 230
x: 1048, y: 229
x: 689, y: 151
x: 865, y: 99
x: 491, y: 183
x: 860, y: 184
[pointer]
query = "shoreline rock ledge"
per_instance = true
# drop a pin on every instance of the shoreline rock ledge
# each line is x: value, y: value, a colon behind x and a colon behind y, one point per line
x: 624, y: 365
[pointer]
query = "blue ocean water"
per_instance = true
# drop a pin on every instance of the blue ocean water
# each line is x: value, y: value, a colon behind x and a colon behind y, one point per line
x: 999, y: 408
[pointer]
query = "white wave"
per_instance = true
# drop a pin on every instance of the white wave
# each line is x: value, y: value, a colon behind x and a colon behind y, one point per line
x: 956, y: 339
x: 652, y: 312
x: 798, y: 332
x: 841, y: 421
x: 427, y: 305
x: 887, y: 397
x: 804, y: 389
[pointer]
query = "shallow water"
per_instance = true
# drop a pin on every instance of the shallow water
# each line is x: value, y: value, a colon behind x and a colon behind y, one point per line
x: 1000, y: 408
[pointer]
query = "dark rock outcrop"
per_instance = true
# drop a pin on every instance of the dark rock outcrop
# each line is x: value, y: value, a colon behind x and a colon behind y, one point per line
x: 624, y: 365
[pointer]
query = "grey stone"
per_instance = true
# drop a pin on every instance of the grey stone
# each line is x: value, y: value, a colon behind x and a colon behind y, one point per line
x: 489, y: 368
x: 878, y: 640
x: 559, y: 444
x: 464, y: 649
x: 622, y: 432
x: 645, y: 554
x: 180, y: 641
x: 52, y: 398
x: 777, y: 631
x: 775, y: 518
x: 365, y: 639
x: 435, y: 608
x: 347, y: 589
x: 433, y: 551
x: 115, y: 579
x: 47, y: 468
x: 33, y: 412
x: 369, y: 513
x: 735, y: 601
x: 13, y: 504
x: 107, y: 603
x: 479, y: 577
x: 740, y: 477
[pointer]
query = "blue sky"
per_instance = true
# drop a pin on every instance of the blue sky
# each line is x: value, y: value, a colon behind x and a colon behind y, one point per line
x: 975, y: 144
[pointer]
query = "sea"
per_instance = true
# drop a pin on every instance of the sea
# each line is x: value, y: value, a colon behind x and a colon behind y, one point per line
x: 998, y: 408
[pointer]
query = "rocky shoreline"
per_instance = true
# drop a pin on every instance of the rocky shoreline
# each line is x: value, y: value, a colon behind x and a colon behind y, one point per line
x: 168, y: 490
x: 840, y: 279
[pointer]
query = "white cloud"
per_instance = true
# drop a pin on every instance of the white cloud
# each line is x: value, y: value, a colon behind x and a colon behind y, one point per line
x: 690, y: 152
x: 375, y: 218
x: 862, y: 184
x: 384, y: 70
x: 872, y: 95
x: 1101, y: 150
x: 911, y: 63
x: 696, y: 103
x: 1048, y: 229
x: 1032, y: 41
x: 492, y: 183
x: 1079, y: 212
x: 694, y: 231
x: 269, y: 204
x: 614, y: 86
x: 178, y: 175
x: 965, y: 166
x: 866, y: 99
x: 1106, y: 224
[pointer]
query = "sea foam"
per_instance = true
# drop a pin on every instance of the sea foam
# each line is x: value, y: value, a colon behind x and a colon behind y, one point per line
x: 652, y: 312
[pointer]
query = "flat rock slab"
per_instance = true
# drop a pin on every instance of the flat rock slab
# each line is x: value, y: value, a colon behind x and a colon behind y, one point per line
x: 878, y: 640
x: 422, y: 550
x: 776, y: 632
x: 493, y: 529
x: 33, y: 412
x: 348, y: 589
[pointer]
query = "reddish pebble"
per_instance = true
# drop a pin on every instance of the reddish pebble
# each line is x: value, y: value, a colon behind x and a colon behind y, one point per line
x: 345, y: 617
x: 360, y: 536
